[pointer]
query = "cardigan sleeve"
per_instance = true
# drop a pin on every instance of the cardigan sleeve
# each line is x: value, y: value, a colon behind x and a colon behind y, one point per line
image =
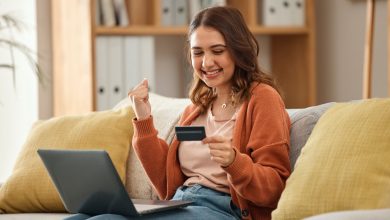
x: 152, y: 153
x: 161, y: 167
x: 261, y: 166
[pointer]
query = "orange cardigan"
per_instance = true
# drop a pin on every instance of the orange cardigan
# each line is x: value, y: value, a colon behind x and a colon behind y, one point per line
x: 261, y: 139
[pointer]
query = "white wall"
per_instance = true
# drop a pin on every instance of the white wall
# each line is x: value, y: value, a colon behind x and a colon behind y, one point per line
x: 19, y: 105
x: 340, y: 49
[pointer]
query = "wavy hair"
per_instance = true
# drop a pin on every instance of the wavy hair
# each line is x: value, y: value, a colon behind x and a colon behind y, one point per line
x: 242, y: 46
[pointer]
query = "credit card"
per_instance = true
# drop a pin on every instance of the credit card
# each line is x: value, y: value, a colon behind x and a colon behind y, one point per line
x: 190, y: 133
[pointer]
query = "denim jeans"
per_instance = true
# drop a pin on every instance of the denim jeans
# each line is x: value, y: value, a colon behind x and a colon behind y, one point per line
x: 207, y: 204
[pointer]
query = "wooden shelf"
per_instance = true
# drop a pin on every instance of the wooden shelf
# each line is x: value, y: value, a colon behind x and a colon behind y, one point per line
x: 292, y: 49
x: 159, y: 30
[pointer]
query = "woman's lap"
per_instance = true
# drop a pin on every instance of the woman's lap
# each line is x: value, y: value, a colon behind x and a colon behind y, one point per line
x: 207, y: 204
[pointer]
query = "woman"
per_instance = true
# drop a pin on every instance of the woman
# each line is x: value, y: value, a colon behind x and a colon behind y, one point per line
x: 245, y: 153
x: 239, y: 170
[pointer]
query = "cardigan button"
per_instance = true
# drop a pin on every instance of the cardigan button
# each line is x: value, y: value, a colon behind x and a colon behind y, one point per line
x: 245, y: 213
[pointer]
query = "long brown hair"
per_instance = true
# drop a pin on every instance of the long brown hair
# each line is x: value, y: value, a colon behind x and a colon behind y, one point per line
x: 242, y: 46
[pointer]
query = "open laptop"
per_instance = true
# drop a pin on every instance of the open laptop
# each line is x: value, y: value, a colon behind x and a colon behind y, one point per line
x: 88, y: 183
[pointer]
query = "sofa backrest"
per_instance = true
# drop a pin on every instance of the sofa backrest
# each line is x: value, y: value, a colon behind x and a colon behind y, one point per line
x: 166, y: 113
x: 302, y: 124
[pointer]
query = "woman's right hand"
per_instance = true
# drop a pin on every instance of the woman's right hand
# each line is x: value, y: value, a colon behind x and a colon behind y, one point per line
x: 139, y: 97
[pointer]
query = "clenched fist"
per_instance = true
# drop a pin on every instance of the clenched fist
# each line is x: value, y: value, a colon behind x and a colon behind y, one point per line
x: 139, y: 97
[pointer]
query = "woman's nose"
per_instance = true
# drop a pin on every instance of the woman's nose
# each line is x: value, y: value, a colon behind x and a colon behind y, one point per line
x: 207, y: 61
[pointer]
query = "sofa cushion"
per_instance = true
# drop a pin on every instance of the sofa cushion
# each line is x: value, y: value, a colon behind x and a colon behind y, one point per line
x: 343, y: 164
x: 29, y: 188
x: 166, y: 113
x: 302, y: 124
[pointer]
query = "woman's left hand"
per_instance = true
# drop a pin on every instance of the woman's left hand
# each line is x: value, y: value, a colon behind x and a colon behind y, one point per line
x: 221, y: 150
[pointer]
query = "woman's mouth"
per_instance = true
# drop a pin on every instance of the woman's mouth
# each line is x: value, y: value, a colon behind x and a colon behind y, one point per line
x: 212, y: 73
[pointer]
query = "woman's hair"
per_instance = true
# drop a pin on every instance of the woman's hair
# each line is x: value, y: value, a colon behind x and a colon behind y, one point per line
x: 242, y: 46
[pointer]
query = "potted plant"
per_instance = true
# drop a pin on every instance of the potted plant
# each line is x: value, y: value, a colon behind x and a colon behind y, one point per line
x: 7, y: 24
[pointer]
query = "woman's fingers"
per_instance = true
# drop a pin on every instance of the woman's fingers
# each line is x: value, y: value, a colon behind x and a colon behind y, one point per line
x: 221, y: 149
x: 139, y: 97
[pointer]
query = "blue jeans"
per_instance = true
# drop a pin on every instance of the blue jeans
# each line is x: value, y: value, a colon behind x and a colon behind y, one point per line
x: 207, y: 204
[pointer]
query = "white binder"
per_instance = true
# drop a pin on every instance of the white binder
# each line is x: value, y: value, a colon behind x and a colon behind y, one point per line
x: 132, y: 65
x: 108, y: 12
x: 147, y: 56
x: 218, y: 2
x: 298, y: 12
x: 101, y: 73
x: 194, y: 7
x: 115, y: 73
x: 167, y: 12
x: 121, y: 12
x: 181, y: 12
x: 276, y: 12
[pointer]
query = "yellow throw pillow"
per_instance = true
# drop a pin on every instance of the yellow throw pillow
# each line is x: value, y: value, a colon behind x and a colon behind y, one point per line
x: 344, y: 164
x: 29, y: 188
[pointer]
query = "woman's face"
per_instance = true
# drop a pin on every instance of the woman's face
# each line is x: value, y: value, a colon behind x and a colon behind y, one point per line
x: 210, y: 58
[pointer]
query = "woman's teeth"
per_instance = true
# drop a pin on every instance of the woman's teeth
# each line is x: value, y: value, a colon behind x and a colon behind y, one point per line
x: 212, y: 72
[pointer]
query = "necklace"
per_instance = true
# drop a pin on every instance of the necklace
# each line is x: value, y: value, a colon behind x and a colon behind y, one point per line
x: 224, y: 105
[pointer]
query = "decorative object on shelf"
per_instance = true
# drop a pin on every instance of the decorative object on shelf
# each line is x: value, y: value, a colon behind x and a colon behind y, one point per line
x: 8, y: 23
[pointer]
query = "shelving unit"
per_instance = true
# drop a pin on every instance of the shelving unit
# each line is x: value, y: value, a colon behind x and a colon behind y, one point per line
x: 293, y: 58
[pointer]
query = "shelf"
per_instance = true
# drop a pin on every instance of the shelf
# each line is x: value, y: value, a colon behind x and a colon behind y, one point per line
x: 158, y: 30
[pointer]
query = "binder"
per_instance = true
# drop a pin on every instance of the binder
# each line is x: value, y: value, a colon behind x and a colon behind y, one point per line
x: 283, y: 12
x: 139, y: 62
x: 121, y: 14
x: 101, y: 73
x: 115, y: 73
x: 194, y: 7
x: 132, y: 65
x: 218, y: 2
x: 167, y: 12
x: 108, y: 13
x: 180, y: 12
x: 276, y: 12
x: 298, y: 12
x: 147, y: 60
x: 98, y: 13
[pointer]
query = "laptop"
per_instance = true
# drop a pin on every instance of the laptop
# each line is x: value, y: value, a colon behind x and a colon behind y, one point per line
x: 88, y: 183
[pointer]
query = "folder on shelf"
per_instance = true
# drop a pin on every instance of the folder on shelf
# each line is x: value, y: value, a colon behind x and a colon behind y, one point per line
x: 121, y: 15
x: 108, y: 13
x: 132, y: 68
x: 298, y: 12
x: 101, y: 73
x: 115, y: 73
x: 194, y: 7
x: 138, y: 61
x: 217, y: 3
x: 147, y: 60
x: 98, y: 13
x: 274, y: 13
x: 167, y: 12
x: 180, y: 12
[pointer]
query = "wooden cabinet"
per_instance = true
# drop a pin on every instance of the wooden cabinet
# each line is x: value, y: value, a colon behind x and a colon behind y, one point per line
x: 292, y: 49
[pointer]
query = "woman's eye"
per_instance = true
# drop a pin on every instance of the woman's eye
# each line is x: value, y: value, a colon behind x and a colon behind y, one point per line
x: 218, y: 52
x: 197, y: 53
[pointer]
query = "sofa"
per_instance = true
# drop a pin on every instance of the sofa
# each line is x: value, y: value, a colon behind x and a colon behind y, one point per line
x: 320, y: 140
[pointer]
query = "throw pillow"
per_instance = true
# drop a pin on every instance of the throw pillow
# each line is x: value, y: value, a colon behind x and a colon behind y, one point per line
x: 343, y: 165
x: 29, y: 188
x: 166, y: 112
